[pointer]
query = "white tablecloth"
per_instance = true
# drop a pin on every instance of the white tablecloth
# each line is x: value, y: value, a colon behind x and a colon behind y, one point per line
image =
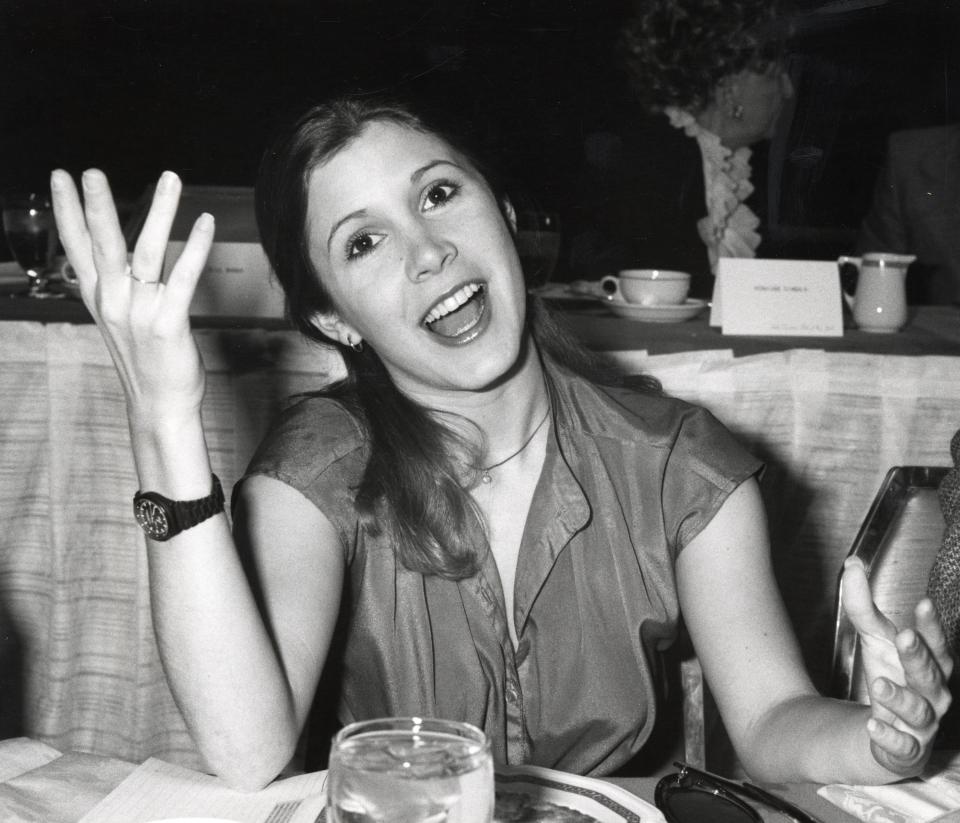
x: 74, y: 605
x: 829, y: 425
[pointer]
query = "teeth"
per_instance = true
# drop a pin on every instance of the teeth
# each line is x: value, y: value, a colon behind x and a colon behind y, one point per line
x: 453, y: 302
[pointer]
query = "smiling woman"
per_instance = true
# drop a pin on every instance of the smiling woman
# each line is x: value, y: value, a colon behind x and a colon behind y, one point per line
x: 408, y: 247
x: 421, y: 211
x: 471, y: 525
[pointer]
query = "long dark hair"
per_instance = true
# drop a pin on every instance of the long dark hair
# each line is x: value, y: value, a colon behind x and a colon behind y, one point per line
x: 412, y: 488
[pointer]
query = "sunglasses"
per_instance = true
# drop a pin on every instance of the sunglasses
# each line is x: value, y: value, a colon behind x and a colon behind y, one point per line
x: 692, y: 796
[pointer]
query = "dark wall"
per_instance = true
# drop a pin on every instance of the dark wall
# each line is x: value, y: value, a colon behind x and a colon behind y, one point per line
x: 862, y: 72
x: 137, y: 87
x: 194, y: 85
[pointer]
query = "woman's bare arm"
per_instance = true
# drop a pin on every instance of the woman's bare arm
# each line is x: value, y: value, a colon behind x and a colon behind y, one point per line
x: 244, y: 690
x: 781, y: 727
x: 246, y: 684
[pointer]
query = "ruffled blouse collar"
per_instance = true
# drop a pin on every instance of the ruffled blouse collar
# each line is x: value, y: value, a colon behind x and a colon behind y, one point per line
x: 729, y: 228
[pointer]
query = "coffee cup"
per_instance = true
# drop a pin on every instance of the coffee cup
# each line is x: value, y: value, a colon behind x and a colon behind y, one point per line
x: 647, y: 287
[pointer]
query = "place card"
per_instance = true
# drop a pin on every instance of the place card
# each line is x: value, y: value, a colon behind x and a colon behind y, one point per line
x: 780, y: 298
x: 236, y: 281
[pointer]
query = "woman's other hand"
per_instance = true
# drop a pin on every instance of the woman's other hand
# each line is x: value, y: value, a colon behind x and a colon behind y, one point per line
x: 906, y: 673
x: 144, y: 322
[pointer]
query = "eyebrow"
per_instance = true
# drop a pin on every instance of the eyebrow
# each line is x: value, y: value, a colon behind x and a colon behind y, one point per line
x: 340, y: 222
x: 414, y: 178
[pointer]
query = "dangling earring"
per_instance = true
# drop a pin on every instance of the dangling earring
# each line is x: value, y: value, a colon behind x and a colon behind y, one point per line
x: 737, y: 112
x: 356, y: 345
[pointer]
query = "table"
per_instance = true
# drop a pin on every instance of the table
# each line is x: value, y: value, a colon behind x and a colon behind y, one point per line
x: 74, y: 607
x: 70, y: 310
x: 930, y: 330
x: 61, y: 789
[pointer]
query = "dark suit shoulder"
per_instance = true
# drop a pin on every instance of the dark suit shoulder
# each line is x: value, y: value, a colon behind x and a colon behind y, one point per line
x: 941, y: 140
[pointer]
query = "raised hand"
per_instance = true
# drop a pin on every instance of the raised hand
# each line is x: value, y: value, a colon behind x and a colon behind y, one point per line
x: 907, y: 674
x: 145, y: 322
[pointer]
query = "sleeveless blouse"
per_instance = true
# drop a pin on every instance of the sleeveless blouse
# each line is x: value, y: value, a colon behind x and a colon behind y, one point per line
x: 628, y: 480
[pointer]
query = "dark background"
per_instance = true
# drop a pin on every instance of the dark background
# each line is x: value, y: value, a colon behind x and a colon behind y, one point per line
x: 197, y: 86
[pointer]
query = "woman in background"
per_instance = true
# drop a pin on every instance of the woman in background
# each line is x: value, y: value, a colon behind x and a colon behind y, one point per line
x: 673, y: 183
x: 469, y: 524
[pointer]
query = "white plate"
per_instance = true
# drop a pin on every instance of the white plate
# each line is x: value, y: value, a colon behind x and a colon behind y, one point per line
x: 603, y: 801
x: 658, y: 314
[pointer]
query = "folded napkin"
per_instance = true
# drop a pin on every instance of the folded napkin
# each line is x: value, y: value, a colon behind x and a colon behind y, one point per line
x: 21, y: 754
x: 929, y: 797
x: 161, y: 791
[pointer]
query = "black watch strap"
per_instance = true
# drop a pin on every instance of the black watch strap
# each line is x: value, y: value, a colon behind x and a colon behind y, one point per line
x: 162, y: 518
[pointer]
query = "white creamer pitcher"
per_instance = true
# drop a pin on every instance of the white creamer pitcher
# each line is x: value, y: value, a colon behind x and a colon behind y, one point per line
x: 880, y: 303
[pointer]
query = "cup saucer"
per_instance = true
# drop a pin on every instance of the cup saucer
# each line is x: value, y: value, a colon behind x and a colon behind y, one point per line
x: 670, y: 313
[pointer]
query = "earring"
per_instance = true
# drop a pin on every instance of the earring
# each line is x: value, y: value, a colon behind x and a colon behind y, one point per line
x: 356, y: 345
x: 737, y: 112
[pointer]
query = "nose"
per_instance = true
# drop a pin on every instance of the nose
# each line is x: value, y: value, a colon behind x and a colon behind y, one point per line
x: 429, y: 253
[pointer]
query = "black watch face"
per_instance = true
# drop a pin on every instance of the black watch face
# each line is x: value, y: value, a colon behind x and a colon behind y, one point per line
x: 153, y: 518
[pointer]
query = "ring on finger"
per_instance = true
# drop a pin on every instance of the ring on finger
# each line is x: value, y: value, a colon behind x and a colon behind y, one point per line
x: 129, y: 273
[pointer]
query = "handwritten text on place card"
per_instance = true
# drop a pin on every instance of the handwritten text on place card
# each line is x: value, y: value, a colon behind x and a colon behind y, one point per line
x: 795, y: 298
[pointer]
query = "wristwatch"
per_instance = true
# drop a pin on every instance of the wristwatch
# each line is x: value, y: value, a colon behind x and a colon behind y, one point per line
x: 162, y: 518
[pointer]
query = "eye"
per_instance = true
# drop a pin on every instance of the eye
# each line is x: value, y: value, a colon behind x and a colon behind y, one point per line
x: 362, y: 243
x: 440, y: 193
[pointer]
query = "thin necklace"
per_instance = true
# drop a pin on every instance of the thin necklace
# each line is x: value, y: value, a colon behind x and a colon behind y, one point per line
x: 485, y: 471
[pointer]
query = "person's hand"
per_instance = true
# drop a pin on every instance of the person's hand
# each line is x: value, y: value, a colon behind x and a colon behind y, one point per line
x: 144, y: 322
x: 906, y: 672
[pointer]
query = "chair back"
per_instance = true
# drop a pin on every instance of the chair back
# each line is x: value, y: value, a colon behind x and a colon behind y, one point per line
x: 897, y: 542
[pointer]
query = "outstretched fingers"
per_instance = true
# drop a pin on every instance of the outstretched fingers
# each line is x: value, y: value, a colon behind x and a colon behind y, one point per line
x: 144, y: 322
x: 72, y: 226
x: 108, y: 247
x: 183, y: 278
x: 147, y: 263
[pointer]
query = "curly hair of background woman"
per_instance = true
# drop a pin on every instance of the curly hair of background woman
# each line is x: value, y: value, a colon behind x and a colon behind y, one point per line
x: 674, y: 50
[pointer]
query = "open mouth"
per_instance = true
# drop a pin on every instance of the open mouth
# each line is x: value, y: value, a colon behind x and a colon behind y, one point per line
x: 457, y: 314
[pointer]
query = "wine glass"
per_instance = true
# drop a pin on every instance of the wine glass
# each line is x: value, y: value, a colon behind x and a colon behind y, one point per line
x: 410, y: 770
x: 538, y: 244
x: 32, y: 237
